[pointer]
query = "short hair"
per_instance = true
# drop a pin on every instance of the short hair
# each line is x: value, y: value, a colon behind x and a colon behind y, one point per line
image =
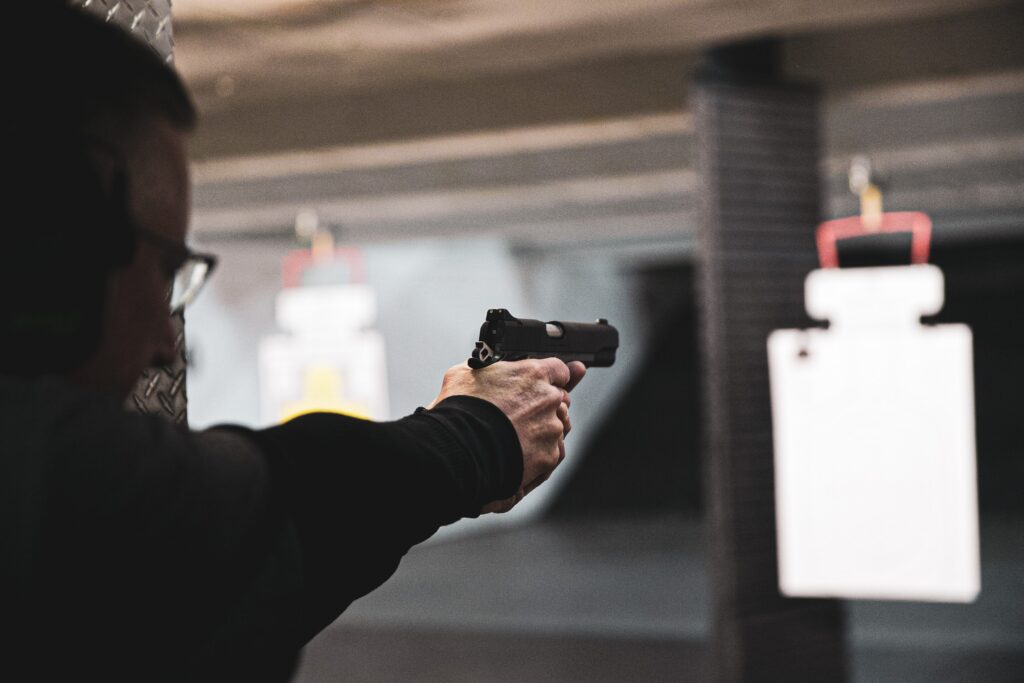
x: 104, y: 76
x: 84, y: 92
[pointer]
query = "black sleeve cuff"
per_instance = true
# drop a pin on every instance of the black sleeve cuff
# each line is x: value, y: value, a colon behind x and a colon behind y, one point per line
x: 486, y: 433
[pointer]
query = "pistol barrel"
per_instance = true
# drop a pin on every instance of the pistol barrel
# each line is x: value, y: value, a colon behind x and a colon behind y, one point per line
x: 505, y: 337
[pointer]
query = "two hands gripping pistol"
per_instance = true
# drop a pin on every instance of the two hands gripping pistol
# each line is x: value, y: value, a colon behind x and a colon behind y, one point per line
x: 505, y: 337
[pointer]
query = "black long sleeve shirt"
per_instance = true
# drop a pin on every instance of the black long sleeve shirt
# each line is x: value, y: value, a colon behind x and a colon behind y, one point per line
x: 131, y: 549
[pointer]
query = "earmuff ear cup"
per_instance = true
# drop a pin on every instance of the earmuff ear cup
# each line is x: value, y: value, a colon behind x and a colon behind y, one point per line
x: 120, y: 235
x: 69, y: 230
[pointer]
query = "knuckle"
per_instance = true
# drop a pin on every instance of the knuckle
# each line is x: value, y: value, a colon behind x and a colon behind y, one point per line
x: 537, y: 370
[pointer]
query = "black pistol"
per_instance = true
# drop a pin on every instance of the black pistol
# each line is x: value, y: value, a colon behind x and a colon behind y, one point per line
x: 505, y: 337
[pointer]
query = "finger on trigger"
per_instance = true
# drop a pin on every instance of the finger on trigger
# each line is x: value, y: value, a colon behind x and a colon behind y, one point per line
x: 576, y: 372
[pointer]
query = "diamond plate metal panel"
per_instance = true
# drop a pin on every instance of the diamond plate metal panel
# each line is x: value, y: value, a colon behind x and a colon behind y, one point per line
x: 150, y: 20
x: 160, y: 391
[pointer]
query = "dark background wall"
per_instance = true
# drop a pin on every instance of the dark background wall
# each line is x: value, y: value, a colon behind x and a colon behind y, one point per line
x: 985, y: 289
x: 646, y: 457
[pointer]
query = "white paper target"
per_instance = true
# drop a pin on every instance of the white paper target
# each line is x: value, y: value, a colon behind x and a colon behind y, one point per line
x: 873, y: 423
x: 328, y: 359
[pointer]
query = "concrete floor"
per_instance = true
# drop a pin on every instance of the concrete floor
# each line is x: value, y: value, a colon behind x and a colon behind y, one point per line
x: 628, y: 600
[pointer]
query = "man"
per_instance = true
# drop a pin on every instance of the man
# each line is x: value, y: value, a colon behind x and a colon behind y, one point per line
x: 134, y: 550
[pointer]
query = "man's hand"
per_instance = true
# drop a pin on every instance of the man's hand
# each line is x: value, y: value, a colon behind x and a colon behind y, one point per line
x: 534, y: 394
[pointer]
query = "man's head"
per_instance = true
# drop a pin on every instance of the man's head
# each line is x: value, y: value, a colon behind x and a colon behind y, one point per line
x: 101, y: 161
x: 136, y: 327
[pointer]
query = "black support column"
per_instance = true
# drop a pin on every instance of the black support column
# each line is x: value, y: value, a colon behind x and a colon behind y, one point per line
x: 758, y: 161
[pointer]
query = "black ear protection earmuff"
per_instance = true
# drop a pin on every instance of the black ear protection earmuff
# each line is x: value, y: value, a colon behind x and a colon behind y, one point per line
x: 71, y: 228
x: 115, y: 227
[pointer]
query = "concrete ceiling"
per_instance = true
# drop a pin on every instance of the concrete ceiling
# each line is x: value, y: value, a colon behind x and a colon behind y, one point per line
x: 565, y: 121
x: 266, y: 50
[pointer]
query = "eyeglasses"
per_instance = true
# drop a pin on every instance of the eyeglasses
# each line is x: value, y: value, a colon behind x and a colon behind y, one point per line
x: 189, y: 270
